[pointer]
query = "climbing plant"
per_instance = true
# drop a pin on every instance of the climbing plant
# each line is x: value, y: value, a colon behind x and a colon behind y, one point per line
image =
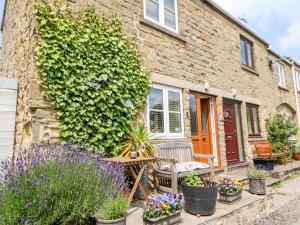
x: 91, y: 72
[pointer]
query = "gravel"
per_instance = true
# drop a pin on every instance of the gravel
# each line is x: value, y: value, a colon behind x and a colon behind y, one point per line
x: 289, y: 214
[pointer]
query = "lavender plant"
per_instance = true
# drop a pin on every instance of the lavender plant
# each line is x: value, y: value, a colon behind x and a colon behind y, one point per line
x: 56, y: 184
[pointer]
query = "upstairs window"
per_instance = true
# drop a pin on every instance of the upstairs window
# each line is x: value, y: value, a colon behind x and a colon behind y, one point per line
x: 247, y: 52
x: 298, y: 80
x: 162, y: 12
x: 253, y: 120
x: 279, y: 70
x: 164, y: 114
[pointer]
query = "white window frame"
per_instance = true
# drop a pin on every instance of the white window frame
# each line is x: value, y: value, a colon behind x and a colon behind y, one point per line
x: 298, y: 80
x: 161, y: 17
x: 166, y: 133
x: 280, y: 76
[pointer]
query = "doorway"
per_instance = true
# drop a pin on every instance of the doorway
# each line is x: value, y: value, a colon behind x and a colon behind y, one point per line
x: 203, y: 125
x: 233, y: 132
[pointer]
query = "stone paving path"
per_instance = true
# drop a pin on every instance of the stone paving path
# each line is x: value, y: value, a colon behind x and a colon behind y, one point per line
x: 286, y: 204
x: 289, y: 214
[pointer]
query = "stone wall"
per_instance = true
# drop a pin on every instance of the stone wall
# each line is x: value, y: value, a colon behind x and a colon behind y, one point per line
x: 207, y: 49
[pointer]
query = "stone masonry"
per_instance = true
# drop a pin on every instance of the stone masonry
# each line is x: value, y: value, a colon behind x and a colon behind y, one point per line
x: 206, y: 50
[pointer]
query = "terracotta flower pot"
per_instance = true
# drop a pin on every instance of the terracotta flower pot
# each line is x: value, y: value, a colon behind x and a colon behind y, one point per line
x: 296, y: 156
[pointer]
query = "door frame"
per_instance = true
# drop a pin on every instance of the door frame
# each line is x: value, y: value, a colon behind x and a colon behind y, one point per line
x: 213, y: 116
x: 233, y: 101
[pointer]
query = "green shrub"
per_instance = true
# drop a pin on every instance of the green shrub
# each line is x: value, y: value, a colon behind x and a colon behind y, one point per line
x: 256, y: 173
x: 280, y: 130
x: 91, y: 73
x: 113, y: 208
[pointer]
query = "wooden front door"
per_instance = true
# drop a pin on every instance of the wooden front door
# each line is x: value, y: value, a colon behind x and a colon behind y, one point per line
x: 230, y: 126
x: 200, y: 119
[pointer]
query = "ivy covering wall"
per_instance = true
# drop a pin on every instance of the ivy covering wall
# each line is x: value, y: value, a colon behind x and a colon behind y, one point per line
x: 91, y: 73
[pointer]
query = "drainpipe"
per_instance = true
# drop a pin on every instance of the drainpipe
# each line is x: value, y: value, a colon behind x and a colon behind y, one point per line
x: 296, y: 93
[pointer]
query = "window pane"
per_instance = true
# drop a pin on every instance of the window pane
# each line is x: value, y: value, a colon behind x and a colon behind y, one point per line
x: 249, y: 51
x: 204, y: 122
x: 193, y: 115
x: 156, y: 99
x: 282, y: 75
x: 278, y: 73
x: 239, y: 132
x: 255, y: 120
x: 243, y: 51
x: 174, y: 101
x: 170, y: 19
x: 175, y: 122
x: 170, y: 4
x: 298, y: 81
x: 156, y: 122
x: 152, y: 9
x: 250, y: 131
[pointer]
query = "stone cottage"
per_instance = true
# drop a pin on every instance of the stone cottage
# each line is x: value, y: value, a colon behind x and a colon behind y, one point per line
x: 222, y: 78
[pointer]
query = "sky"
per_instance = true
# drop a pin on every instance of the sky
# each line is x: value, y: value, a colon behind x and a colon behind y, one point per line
x: 277, y: 21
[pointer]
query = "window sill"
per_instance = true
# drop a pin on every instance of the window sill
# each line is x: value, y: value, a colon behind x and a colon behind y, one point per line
x: 283, y: 88
x: 250, y: 70
x: 162, y: 29
x: 255, y: 138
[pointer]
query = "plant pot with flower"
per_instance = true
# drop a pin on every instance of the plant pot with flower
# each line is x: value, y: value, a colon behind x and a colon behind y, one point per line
x: 230, y: 190
x: 257, y: 181
x: 164, y: 209
x: 296, y: 153
x: 200, y: 195
x: 113, y: 211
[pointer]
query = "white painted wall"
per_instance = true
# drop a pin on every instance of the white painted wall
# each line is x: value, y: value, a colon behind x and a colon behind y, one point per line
x: 8, y: 101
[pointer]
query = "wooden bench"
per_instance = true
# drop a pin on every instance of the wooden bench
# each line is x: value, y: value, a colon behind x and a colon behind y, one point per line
x: 265, y: 150
x: 172, y: 153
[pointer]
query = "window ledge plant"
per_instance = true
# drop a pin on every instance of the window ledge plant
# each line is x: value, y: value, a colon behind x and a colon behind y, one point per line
x: 230, y: 190
x: 163, y: 209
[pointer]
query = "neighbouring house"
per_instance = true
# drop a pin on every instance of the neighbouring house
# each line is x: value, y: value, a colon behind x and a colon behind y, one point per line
x: 215, y: 81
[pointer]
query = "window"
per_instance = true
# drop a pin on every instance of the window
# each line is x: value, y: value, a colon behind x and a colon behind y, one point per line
x: 164, y: 114
x: 247, y: 52
x: 253, y: 120
x: 279, y: 70
x: 298, y: 80
x: 162, y: 12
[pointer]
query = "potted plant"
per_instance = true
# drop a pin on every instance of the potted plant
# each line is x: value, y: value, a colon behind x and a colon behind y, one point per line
x: 164, y: 209
x: 200, y: 195
x: 296, y: 153
x: 113, y: 211
x: 230, y: 190
x: 257, y: 181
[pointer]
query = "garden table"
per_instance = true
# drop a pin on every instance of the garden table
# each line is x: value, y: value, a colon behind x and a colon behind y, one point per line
x: 130, y: 163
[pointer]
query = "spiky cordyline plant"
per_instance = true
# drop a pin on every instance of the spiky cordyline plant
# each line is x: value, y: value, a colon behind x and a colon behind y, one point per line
x: 139, y: 136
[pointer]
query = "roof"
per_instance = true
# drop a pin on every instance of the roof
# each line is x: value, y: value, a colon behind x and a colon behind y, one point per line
x: 283, y: 58
x: 239, y: 23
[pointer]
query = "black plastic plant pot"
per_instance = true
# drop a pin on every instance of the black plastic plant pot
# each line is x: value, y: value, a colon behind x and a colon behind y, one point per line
x: 200, y: 200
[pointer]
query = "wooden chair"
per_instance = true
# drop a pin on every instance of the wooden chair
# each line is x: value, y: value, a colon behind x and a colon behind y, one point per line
x: 172, y: 153
x: 265, y: 150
